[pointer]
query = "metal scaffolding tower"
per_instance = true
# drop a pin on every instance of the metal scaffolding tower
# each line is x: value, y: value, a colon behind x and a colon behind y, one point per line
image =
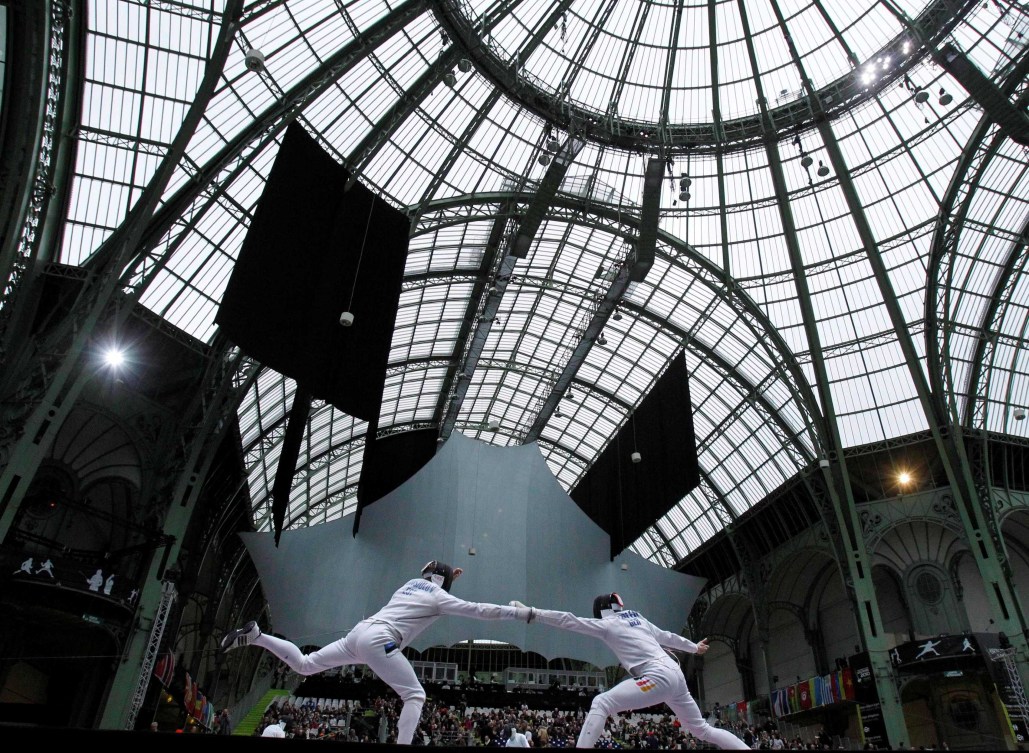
x: 168, y: 594
x: 1006, y: 656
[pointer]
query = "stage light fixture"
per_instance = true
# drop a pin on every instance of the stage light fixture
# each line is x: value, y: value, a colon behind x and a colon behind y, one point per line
x: 254, y: 60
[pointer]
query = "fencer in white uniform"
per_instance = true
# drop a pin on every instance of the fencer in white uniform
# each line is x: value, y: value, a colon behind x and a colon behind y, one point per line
x: 377, y: 641
x: 654, y: 676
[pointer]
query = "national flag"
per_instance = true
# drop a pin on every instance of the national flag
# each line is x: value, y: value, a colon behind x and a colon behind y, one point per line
x: 791, y: 697
x: 835, y: 686
x: 198, y: 705
x: 804, y: 695
x: 827, y: 696
x: 816, y: 692
x: 164, y: 671
x: 741, y: 709
x: 847, y: 684
x: 783, y: 702
x: 189, y: 696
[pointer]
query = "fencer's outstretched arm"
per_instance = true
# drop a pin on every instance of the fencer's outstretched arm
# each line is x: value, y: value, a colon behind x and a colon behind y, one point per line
x: 449, y: 604
x: 568, y: 621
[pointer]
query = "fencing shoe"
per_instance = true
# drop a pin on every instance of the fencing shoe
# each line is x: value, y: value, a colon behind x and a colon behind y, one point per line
x: 243, y: 636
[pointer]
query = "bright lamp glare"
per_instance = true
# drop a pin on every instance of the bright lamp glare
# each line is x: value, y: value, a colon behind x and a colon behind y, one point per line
x: 904, y: 478
x: 114, y: 357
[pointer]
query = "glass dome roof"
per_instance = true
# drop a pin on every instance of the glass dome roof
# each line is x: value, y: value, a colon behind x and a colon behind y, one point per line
x: 841, y: 232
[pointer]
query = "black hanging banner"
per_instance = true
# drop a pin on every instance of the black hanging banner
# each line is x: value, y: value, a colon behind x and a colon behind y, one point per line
x: 314, y: 251
x: 649, y: 466
x: 873, y: 728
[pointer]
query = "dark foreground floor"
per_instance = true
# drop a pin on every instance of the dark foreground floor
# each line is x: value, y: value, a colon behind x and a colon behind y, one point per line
x: 23, y: 739
x: 26, y: 739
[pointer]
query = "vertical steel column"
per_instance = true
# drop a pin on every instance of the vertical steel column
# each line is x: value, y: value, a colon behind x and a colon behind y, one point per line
x: 834, y: 469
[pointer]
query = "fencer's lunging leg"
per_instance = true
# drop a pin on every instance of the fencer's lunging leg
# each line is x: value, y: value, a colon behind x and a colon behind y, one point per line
x: 627, y: 694
x: 592, y: 729
x: 303, y: 664
x: 381, y: 652
x: 689, y: 714
x: 409, y: 716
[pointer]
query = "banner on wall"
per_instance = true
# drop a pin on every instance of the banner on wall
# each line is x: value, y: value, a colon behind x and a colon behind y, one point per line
x: 939, y: 654
x: 873, y: 728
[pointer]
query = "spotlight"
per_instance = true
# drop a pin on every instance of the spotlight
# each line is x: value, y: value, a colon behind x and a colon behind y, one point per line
x: 493, y: 425
x: 543, y: 159
x: 823, y: 462
x: 624, y: 567
x: 471, y: 551
x: 822, y: 169
x: 945, y: 98
x: 254, y: 60
x: 684, y: 196
x: 636, y: 457
x: 685, y: 183
x: 114, y: 358
x: 450, y: 79
x: 921, y: 97
x: 806, y: 161
x: 617, y: 316
x: 346, y: 319
x: 904, y: 478
x: 464, y: 65
x: 1020, y: 414
x: 601, y: 340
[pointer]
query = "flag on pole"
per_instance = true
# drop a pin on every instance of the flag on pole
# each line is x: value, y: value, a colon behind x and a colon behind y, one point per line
x: 165, y: 669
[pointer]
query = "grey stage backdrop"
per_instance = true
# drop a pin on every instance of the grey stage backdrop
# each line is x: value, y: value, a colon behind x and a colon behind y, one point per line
x: 532, y: 543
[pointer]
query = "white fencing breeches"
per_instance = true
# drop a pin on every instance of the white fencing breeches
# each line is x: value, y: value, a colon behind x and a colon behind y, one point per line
x: 372, y: 643
x: 662, y: 682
